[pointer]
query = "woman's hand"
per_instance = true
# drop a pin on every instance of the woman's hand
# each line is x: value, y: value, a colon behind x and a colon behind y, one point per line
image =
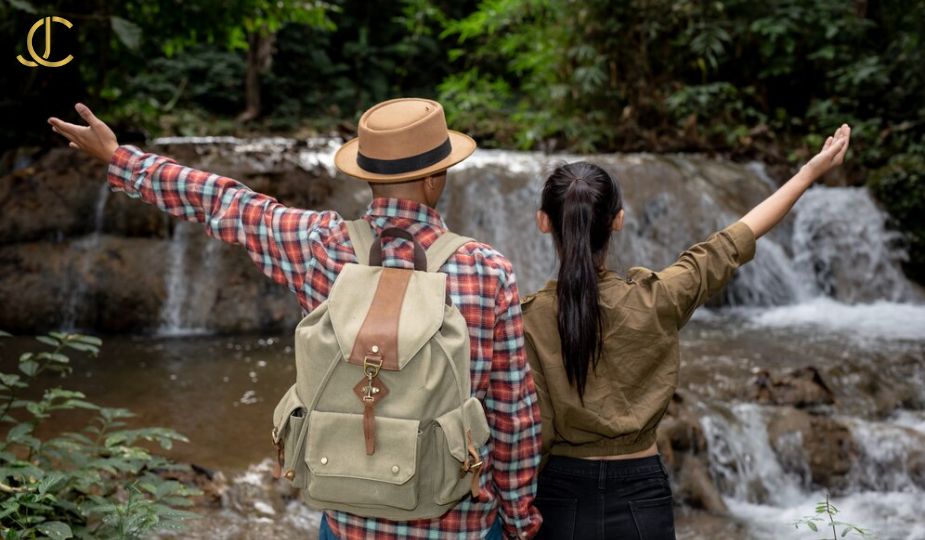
x: 769, y: 212
x: 832, y: 154
x: 95, y: 139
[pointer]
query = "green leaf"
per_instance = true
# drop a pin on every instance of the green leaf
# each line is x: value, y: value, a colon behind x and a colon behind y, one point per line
x: 83, y: 347
x: 22, y: 5
x: 50, y: 341
x: 54, y: 357
x: 812, y: 526
x: 55, y: 529
x: 89, y: 340
x: 18, y: 431
x: 128, y: 32
x: 29, y: 367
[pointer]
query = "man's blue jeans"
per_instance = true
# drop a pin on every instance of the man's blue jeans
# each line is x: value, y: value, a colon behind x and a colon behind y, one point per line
x: 325, y: 534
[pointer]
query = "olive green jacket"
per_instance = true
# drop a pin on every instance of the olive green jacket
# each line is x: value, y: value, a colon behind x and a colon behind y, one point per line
x: 628, y: 392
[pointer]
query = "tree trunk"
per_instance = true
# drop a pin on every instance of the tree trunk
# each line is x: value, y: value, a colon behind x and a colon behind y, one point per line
x: 259, y: 60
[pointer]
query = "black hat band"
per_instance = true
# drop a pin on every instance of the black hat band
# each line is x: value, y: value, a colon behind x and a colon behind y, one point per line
x: 405, y: 164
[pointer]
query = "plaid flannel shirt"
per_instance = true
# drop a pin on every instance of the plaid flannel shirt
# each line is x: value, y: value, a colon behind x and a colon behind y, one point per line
x: 306, y: 249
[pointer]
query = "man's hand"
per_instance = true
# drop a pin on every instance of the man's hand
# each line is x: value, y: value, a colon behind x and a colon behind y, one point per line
x: 832, y: 154
x: 95, y: 139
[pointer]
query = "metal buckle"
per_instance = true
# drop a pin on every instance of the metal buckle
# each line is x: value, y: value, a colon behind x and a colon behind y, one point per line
x: 371, y: 366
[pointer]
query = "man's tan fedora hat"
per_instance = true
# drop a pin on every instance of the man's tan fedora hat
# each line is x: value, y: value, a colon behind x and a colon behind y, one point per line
x: 402, y: 139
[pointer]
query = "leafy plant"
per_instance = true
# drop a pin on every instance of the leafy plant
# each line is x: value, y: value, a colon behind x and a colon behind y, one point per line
x: 96, y: 483
x: 825, y: 518
x: 900, y: 186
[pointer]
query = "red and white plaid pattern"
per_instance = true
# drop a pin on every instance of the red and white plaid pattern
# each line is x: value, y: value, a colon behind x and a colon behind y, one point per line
x: 306, y: 249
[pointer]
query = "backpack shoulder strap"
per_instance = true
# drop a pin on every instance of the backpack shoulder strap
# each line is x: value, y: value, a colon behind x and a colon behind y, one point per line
x: 443, y: 248
x: 361, y: 236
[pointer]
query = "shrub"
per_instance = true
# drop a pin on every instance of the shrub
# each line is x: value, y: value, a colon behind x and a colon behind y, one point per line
x: 900, y: 186
x: 96, y: 483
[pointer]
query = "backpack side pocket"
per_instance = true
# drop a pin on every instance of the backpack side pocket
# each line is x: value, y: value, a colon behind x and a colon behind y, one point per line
x: 453, y: 482
x: 289, y: 438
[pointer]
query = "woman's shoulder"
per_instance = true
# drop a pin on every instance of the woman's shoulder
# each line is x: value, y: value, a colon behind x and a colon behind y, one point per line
x: 545, y: 297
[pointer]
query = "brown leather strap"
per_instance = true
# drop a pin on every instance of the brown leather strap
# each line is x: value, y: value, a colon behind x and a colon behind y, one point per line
x: 378, y: 336
x: 370, y: 390
x: 369, y: 428
x: 280, y: 456
x: 375, y: 251
x: 475, y: 467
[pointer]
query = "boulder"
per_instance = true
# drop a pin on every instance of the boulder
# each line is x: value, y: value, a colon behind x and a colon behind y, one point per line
x: 818, y: 446
x: 683, y: 447
x: 803, y: 387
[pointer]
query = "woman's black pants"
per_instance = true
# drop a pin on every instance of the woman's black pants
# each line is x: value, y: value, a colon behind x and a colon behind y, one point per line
x: 614, y: 500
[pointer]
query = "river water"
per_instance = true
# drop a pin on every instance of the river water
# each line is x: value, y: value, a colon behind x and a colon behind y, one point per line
x: 220, y: 392
x: 825, y: 291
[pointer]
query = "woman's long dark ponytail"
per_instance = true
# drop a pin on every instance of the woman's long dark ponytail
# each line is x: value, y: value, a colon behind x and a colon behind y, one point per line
x: 581, y: 200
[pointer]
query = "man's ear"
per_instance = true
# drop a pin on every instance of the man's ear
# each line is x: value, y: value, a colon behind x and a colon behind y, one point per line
x: 618, y: 221
x: 542, y: 222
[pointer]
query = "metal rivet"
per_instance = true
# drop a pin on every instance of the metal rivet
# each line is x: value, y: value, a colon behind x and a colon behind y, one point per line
x: 290, y: 474
x: 395, y: 469
x: 324, y: 460
x: 375, y: 348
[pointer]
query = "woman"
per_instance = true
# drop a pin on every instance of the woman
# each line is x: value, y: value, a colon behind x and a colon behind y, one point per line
x: 604, y: 350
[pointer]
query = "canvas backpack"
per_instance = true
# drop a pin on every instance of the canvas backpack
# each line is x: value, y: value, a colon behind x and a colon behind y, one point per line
x: 380, y: 421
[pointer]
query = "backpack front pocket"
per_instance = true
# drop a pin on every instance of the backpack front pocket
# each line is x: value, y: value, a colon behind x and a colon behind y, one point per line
x: 452, y: 449
x: 342, y: 472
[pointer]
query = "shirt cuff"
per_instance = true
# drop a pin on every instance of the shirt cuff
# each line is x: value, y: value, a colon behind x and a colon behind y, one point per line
x: 122, y: 166
x: 743, y: 238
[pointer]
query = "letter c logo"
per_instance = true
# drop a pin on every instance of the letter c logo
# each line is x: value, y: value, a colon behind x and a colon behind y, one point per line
x: 43, y: 60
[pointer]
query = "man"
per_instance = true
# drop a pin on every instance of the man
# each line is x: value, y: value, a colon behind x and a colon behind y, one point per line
x: 403, y: 151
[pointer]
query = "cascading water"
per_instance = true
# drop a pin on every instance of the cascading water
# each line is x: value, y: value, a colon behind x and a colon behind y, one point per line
x: 193, y: 263
x: 843, y: 249
x: 87, y: 247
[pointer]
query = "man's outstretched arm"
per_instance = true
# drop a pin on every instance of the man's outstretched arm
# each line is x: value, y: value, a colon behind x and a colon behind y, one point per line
x: 277, y: 238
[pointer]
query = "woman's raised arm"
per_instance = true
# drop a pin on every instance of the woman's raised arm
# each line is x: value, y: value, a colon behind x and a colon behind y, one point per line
x: 769, y: 212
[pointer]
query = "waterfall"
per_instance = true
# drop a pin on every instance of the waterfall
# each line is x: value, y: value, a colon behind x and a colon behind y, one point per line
x: 843, y: 249
x: 835, y: 243
x: 87, y: 248
x: 194, y: 261
x: 884, y: 486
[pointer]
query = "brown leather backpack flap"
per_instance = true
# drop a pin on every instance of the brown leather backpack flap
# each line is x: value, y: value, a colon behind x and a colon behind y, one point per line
x: 378, y: 335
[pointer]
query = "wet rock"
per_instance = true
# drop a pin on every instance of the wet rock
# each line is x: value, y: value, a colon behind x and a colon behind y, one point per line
x: 692, y: 524
x: 212, y: 484
x: 683, y: 446
x: 253, y: 505
x: 814, y: 445
x: 695, y: 487
x: 53, y: 197
x: 803, y: 387
x: 67, y: 244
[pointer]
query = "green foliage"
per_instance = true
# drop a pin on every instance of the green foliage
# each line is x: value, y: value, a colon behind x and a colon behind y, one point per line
x: 825, y: 518
x: 96, y: 483
x: 765, y: 80
x: 900, y: 186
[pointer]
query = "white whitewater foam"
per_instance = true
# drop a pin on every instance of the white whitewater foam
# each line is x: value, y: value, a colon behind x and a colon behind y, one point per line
x: 880, y: 319
x: 889, y: 516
